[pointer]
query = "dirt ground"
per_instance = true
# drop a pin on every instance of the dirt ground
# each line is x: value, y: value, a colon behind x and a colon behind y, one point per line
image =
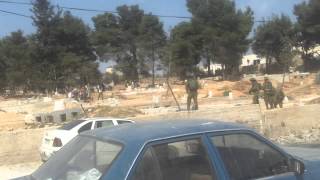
x: 17, y: 170
x: 11, y: 121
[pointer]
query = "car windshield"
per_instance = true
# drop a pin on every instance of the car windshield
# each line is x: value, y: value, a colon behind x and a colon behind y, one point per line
x: 71, y: 124
x: 82, y: 158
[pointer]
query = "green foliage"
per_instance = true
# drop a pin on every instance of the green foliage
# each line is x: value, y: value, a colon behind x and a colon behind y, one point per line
x: 223, y: 31
x: 185, y: 49
x: 308, y: 29
x: 117, y: 38
x: 58, y: 55
x: 152, y: 41
x: 274, y: 39
x: 76, y: 56
x: 16, y: 61
x: 130, y: 38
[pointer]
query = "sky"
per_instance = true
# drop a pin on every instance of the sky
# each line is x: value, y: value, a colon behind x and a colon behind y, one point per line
x: 261, y: 8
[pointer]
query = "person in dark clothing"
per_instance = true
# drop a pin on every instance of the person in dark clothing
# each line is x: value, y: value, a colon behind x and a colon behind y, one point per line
x: 100, y: 92
x: 192, y: 86
x: 268, y: 93
x: 255, y: 90
x: 278, y: 97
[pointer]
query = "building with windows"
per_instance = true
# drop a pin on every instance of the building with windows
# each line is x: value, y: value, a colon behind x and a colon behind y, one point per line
x: 214, y: 67
x: 252, y: 60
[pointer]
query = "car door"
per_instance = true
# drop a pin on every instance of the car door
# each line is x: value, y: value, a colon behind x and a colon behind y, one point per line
x: 247, y: 156
x: 176, y: 159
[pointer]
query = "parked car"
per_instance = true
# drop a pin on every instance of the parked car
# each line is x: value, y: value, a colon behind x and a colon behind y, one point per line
x: 53, y: 140
x: 179, y: 150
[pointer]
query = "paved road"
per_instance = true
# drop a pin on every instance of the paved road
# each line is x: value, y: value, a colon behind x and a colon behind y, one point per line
x: 306, y: 152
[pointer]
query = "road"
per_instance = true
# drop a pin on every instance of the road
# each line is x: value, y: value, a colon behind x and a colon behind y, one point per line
x: 306, y: 152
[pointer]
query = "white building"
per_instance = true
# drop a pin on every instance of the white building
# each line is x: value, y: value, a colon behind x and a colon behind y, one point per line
x: 316, y: 51
x: 112, y: 70
x: 213, y: 67
x: 109, y: 70
x: 252, y: 59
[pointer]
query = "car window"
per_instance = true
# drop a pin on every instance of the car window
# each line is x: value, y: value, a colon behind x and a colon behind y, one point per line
x: 86, y: 127
x: 179, y: 160
x: 101, y: 124
x: 105, y: 152
x: 147, y: 168
x: 82, y: 158
x: 71, y: 124
x: 246, y: 157
x: 123, y: 122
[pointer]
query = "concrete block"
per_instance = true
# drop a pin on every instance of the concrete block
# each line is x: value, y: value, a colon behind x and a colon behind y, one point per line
x: 53, y: 117
x: 59, y: 105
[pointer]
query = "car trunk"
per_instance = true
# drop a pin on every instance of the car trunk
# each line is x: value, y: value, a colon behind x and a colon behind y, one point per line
x: 64, y: 135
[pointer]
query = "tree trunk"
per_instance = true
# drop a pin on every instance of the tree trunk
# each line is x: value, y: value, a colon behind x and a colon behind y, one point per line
x: 208, y: 63
x: 223, y: 71
x: 268, y: 65
x: 231, y: 72
x: 235, y: 72
x: 134, y: 70
x: 284, y: 75
x: 153, y: 67
x: 306, y: 61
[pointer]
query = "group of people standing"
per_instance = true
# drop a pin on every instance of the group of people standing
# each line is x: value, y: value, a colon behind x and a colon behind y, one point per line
x: 84, y: 93
x: 273, y: 97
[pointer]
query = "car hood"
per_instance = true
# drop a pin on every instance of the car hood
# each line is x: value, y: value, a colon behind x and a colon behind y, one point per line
x: 23, y: 178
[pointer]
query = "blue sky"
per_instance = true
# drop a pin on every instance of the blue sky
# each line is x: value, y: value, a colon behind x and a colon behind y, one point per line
x: 262, y: 8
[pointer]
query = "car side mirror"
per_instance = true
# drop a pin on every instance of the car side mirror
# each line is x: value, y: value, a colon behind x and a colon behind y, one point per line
x: 297, y: 166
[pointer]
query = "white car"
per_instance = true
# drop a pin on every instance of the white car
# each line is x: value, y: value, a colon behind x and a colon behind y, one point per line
x: 53, y: 140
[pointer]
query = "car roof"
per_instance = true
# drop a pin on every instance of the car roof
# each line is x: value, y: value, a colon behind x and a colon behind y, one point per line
x: 104, y: 118
x: 151, y: 131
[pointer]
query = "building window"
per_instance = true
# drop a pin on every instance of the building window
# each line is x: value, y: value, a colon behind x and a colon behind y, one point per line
x: 256, y: 62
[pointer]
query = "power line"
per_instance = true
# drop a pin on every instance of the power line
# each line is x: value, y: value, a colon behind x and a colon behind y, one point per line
x: 17, y: 14
x: 15, y: 2
x: 105, y: 11
x: 94, y: 10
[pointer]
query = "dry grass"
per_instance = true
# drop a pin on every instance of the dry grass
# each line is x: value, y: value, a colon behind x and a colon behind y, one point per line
x: 118, y: 112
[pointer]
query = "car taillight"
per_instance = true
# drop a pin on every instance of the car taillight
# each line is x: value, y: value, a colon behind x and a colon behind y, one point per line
x: 57, y: 142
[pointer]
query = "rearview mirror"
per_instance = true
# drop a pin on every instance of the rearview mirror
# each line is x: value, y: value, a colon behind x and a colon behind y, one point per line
x: 297, y: 166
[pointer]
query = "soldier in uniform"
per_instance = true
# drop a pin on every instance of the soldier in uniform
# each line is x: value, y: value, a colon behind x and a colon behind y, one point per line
x: 100, y: 91
x: 192, y: 86
x: 255, y: 90
x: 278, y: 97
x: 268, y: 93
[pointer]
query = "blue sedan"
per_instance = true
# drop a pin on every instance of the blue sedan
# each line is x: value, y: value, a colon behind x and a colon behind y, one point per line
x: 174, y: 150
